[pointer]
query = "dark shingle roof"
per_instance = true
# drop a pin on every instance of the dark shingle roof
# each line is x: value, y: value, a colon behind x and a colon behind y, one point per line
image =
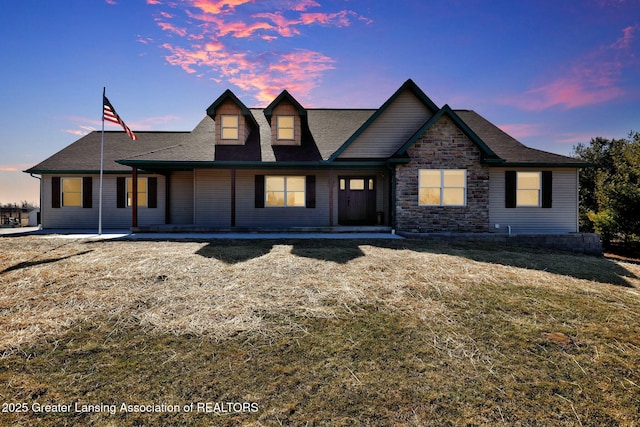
x: 508, y: 148
x: 84, y: 154
x: 324, y: 133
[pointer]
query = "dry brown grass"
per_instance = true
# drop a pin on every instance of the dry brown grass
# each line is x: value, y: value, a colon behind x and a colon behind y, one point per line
x: 344, y: 332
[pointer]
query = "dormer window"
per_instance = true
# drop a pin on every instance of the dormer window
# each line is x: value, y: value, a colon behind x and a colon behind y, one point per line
x: 285, y: 127
x: 230, y: 125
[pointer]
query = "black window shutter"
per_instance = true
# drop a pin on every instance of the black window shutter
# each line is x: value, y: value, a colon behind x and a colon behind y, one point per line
x: 121, y: 192
x: 55, y: 192
x: 152, y: 190
x: 87, y: 192
x: 311, y: 191
x: 259, y: 191
x: 510, y: 189
x: 547, y: 188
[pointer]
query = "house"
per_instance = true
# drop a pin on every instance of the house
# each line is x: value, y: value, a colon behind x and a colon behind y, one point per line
x: 408, y: 165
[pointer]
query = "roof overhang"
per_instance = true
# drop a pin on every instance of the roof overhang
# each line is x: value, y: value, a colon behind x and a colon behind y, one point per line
x: 190, y: 165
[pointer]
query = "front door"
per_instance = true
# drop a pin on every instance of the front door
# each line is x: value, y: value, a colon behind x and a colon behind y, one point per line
x: 357, y: 200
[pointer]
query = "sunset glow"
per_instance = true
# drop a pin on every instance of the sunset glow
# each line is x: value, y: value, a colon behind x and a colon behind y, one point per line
x: 552, y: 74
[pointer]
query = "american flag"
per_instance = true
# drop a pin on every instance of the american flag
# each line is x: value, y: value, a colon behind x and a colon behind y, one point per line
x: 109, y: 114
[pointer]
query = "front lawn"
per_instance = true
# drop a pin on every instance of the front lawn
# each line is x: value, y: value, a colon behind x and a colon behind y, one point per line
x: 326, y: 332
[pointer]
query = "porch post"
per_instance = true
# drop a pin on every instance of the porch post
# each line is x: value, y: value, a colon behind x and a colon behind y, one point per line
x: 167, y: 198
x: 134, y: 197
x: 233, y: 197
x: 331, y: 198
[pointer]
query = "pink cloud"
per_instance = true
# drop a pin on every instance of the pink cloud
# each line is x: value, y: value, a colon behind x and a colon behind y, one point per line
x: 172, y: 28
x: 285, y: 27
x: 303, y: 5
x: 339, y: 19
x: 240, y: 29
x: 111, y: 2
x: 575, y: 138
x: 593, y: 79
x: 298, y: 72
x: 153, y: 2
x: 521, y: 130
x: 206, y: 47
x: 77, y: 132
x: 144, y: 40
x: 215, y: 7
x: 627, y: 37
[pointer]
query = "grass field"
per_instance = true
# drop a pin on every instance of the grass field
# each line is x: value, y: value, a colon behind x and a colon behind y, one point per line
x: 301, y: 332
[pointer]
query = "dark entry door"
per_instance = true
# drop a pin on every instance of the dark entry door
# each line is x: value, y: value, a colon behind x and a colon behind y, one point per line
x: 356, y: 200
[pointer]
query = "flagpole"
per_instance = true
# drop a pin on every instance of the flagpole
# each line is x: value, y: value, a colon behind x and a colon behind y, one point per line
x: 101, y: 166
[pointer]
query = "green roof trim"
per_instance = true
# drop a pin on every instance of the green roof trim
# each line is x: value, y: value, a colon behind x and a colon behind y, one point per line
x: 408, y: 85
x: 173, y: 165
x: 488, y: 156
x: 284, y: 95
x: 227, y: 94
x: 576, y: 164
x: 72, y: 172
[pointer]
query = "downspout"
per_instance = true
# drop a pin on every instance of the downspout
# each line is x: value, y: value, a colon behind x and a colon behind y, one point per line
x: 577, y: 200
x: 40, y: 198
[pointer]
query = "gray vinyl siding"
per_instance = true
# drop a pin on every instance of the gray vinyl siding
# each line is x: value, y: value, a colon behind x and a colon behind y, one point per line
x: 182, y: 197
x: 112, y: 216
x: 562, y: 217
x: 391, y: 129
x: 213, y: 197
x: 247, y: 215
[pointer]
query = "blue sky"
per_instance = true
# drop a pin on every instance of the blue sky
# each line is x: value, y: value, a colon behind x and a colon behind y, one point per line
x: 550, y: 73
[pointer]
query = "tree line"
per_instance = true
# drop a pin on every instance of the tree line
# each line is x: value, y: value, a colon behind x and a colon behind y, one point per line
x: 610, y: 188
x: 21, y: 205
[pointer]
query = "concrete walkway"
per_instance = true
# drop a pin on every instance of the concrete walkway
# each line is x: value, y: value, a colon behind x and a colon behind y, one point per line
x: 127, y: 235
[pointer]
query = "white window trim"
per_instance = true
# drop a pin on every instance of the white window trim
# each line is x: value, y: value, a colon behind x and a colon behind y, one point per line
x: 62, y: 203
x: 539, y: 189
x: 266, y: 205
x: 126, y: 191
x: 236, y: 128
x: 293, y: 128
x: 442, y: 188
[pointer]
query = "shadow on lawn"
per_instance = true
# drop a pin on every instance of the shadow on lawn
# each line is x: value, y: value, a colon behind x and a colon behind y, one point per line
x: 26, y: 264
x: 235, y: 251
x: 597, y: 269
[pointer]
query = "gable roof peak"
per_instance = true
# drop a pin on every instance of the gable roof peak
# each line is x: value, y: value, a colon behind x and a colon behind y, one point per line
x: 227, y: 94
x: 284, y: 95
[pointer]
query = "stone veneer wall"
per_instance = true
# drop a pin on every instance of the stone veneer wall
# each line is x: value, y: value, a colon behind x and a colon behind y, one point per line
x: 443, y: 146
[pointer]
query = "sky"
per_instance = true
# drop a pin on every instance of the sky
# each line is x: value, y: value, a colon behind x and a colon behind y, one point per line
x: 550, y: 73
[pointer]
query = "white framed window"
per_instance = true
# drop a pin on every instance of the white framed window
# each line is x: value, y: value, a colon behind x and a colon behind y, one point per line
x: 229, y: 127
x: 442, y: 187
x: 285, y: 127
x: 71, y: 191
x: 142, y: 192
x: 528, y: 189
x: 285, y: 191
